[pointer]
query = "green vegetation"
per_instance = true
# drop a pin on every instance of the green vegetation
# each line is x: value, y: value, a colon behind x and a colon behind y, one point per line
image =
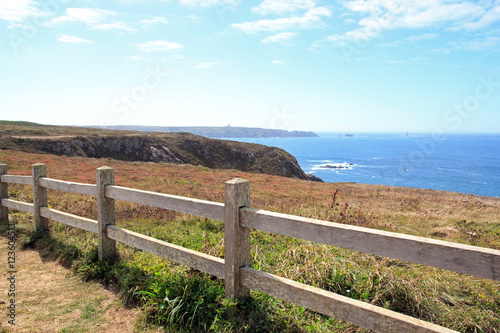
x: 181, y: 299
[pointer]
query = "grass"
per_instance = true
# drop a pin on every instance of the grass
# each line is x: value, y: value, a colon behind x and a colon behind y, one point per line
x: 20, y: 129
x: 184, y: 300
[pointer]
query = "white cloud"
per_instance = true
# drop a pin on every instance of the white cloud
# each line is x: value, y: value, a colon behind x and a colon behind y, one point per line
x: 73, y: 40
x: 282, y: 6
x: 89, y: 16
x: 121, y: 26
x: 478, y: 44
x: 18, y: 10
x: 422, y: 37
x: 442, y: 51
x: 279, y: 37
x: 154, y: 20
x: 391, y: 44
x: 312, y: 18
x: 158, y: 45
x: 94, y: 18
x: 208, y: 64
x: 277, y: 62
x: 492, y: 16
x: 381, y: 15
x: 210, y: 3
x: 13, y: 25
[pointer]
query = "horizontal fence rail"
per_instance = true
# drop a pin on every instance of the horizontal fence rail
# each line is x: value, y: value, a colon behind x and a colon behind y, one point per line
x: 70, y: 219
x: 78, y: 188
x: 456, y: 257
x: 239, y: 219
x: 201, y: 261
x: 18, y: 205
x: 203, y: 208
x: 26, y: 180
x: 334, y: 305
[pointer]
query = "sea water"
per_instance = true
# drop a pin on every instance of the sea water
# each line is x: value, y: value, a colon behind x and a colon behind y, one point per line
x: 467, y: 164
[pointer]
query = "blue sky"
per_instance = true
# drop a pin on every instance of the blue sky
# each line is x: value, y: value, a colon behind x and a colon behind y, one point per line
x: 343, y: 66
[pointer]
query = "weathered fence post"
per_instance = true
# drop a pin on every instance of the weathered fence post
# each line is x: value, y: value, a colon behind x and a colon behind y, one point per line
x: 4, y: 194
x: 237, y: 238
x: 39, y: 198
x: 105, y: 213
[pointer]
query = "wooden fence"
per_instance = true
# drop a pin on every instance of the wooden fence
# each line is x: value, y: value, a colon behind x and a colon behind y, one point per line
x: 239, y: 218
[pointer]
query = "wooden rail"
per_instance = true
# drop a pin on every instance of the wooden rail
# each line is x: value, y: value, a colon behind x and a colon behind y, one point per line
x: 203, y: 208
x: 78, y: 188
x: 362, y: 314
x: 239, y: 219
x: 18, y: 205
x: 70, y: 219
x: 26, y: 180
x: 201, y: 261
x: 456, y: 257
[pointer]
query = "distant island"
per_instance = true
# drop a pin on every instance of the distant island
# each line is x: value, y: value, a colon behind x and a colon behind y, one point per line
x: 216, y: 132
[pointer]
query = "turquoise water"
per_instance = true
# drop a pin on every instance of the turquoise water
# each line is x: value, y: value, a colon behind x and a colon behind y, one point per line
x: 461, y: 163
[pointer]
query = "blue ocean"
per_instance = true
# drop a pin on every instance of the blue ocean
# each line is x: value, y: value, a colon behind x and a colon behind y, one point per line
x: 467, y: 164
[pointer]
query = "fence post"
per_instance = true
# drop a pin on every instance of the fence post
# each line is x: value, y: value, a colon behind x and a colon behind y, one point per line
x: 105, y: 213
x: 236, y: 237
x: 39, y: 198
x: 4, y: 194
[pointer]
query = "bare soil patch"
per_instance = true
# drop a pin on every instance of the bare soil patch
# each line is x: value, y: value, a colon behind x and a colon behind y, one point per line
x: 50, y: 298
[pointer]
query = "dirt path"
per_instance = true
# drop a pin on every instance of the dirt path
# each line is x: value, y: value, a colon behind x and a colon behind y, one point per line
x: 50, y: 298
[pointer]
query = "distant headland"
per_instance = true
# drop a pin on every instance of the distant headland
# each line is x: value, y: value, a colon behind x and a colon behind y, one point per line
x: 216, y: 132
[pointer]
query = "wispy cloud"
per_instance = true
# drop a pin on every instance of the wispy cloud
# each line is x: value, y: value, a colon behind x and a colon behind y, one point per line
x: 277, y: 62
x: 390, y: 44
x: 282, y: 6
x: 379, y: 16
x: 279, y: 37
x: 73, y: 40
x: 89, y: 16
x: 478, y: 44
x: 208, y: 64
x: 416, y: 14
x: 158, y: 46
x: 411, y: 39
x: 488, y: 19
x: 210, y: 3
x: 94, y: 18
x: 18, y: 10
x: 119, y: 26
x: 422, y: 37
x: 312, y: 18
x: 154, y: 20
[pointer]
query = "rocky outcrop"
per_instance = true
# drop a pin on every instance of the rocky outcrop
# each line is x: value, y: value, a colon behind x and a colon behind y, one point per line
x: 178, y: 148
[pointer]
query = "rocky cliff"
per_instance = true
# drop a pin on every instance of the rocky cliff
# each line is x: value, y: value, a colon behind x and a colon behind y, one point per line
x: 178, y: 148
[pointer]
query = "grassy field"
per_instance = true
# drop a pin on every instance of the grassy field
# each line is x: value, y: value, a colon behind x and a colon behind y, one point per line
x: 180, y: 299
